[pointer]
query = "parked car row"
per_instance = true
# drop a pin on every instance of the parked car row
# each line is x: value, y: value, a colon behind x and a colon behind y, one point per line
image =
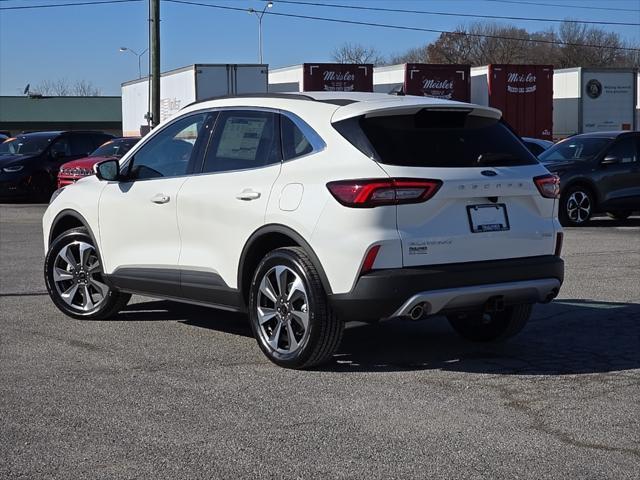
x: 599, y: 172
x: 30, y: 163
x: 73, y: 171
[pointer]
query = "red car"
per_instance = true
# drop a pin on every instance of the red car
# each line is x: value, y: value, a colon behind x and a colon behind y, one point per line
x: 71, y: 172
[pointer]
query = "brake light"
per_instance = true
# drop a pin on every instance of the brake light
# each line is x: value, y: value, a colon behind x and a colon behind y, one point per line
x: 369, y: 259
x: 370, y: 193
x: 548, y: 185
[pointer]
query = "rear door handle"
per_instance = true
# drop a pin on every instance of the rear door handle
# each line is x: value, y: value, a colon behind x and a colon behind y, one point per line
x: 248, y: 194
x: 160, y: 198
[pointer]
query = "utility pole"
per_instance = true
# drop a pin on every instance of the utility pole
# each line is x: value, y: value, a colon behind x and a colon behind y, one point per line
x: 154, y: 33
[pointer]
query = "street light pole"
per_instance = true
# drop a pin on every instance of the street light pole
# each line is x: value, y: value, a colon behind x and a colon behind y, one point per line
x: 139, y: 55
x: 260, y: 15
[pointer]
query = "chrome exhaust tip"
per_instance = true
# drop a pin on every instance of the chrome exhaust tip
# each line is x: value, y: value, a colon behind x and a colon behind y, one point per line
x: 417, y: 312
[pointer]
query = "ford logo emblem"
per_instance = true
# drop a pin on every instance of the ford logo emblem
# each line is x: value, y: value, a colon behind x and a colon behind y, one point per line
x: 488, y: 173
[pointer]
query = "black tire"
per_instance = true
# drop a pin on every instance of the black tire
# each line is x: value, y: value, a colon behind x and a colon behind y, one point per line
x: 319, y: 341
x: 569, y: 213
x: 619, y: 215
x: 84, y: 278
x: 479, y: 327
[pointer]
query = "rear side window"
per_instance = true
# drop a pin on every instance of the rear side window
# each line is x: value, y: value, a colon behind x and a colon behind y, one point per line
x: 432, y: 138
x: 294, y: 143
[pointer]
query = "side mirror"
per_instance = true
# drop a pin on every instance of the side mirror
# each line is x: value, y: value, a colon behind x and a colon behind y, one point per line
x: 108, y: 170
x: 57, y: 155
x: 610, y: 160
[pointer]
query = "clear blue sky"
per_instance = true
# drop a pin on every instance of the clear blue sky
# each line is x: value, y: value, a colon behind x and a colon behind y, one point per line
x: 82, y: 42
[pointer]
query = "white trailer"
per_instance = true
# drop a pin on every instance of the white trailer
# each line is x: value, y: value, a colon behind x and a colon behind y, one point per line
x: 183, y: 86
x: 594, y: 99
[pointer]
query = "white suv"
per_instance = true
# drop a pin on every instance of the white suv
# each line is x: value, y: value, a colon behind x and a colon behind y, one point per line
x: 306, y: 211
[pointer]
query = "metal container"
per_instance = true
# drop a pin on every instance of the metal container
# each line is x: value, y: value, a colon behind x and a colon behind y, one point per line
x: 595, y: 99
x: 450, y: 82
x: 524, y: 94
x: 322, y: 77
x: 186, y: 85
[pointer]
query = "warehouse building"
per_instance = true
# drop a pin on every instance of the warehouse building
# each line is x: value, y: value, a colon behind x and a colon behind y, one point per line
x: 37, y: 113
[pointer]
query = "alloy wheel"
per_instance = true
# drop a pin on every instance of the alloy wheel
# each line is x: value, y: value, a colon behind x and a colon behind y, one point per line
x: 77, y: 276
x: 578, y: 207
x: 283, y: 310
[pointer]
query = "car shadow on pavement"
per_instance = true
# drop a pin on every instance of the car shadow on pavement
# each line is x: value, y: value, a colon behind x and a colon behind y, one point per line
x: 192, y: 315
x: 610, y: 222
x: 563, y: 337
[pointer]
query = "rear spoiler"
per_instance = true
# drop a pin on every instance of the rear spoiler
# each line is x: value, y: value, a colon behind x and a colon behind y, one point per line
x: 408, y: 105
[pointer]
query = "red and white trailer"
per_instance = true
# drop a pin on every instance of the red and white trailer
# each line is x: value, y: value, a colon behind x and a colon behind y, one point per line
x: 450, y: 82
x: 322, y: 77
x: 524, y: 94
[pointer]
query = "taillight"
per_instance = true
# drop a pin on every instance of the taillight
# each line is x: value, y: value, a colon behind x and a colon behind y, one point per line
x: 548, y: 185
x: 389, y: 191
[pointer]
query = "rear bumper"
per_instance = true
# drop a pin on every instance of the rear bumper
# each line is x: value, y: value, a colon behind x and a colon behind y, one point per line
x: 442, y: 288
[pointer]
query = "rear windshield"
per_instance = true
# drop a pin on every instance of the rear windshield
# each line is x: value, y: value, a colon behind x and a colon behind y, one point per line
x: 436, y: 139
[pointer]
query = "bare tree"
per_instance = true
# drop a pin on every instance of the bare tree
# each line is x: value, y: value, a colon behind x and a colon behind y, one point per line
x: 57, y: 88
x: 84, y: 88
x: 357, y: 53
x: 62, y: 87
x: 482, y: 43
x: 413, y: 55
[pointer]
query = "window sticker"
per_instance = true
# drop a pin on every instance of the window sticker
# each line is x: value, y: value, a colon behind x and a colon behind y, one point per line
x: 240, y: 138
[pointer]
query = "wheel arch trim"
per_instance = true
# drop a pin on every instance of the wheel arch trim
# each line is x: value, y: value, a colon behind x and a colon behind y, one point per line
x: 587, y: 183
x: 293, y: 235
x: 70, y: 213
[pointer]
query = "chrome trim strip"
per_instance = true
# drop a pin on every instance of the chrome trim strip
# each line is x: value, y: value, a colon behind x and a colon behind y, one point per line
x: 529, y: 291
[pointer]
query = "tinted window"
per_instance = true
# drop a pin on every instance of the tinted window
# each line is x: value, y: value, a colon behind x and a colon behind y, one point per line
x: 169, y: 152
x: 24, y: 145
x: 81, y: 144
x: 294, y: 143
x: 243, y: 139
x: 61, y: 147
x: 436, y: 139
x: 100, y: 138
x: 534, y: 148
x: 625, y: 150
x: 114, y: 148
x: 577, y: 148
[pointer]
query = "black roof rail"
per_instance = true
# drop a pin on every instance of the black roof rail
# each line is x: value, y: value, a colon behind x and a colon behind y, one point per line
x: 290, y: 96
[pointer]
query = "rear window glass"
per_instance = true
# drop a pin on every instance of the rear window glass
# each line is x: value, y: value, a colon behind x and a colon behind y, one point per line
x: 436, y: 139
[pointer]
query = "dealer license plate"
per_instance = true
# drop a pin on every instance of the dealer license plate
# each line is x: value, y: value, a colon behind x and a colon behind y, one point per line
x: 490, y: 217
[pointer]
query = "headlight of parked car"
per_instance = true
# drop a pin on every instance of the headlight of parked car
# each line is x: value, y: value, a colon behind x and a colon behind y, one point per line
x: 13, y: 168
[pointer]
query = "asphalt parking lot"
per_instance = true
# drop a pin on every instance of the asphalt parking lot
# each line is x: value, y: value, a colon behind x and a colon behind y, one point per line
x: 172, y: 391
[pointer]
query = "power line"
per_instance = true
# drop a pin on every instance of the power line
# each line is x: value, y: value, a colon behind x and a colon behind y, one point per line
x: 565, y: 6
x: 52, y: 5
x: 404, y: 27
x: 451, y: 14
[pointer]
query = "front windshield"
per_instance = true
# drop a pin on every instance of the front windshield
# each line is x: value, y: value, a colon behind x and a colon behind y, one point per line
x: 574, y: 149
x: 114, y: 148
x: 24, y: 145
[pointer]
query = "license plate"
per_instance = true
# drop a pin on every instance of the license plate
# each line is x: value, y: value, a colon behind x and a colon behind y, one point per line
x: 490, y: 217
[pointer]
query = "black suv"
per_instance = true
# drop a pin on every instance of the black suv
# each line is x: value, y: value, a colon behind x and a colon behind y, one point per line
x: 29, y: 163
x: 599, y: 172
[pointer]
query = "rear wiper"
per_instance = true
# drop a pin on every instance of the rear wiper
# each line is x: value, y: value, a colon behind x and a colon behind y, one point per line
x: 484, y: 158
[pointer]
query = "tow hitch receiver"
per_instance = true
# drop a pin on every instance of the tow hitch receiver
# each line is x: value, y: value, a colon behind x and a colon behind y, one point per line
x: 494, y: 304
